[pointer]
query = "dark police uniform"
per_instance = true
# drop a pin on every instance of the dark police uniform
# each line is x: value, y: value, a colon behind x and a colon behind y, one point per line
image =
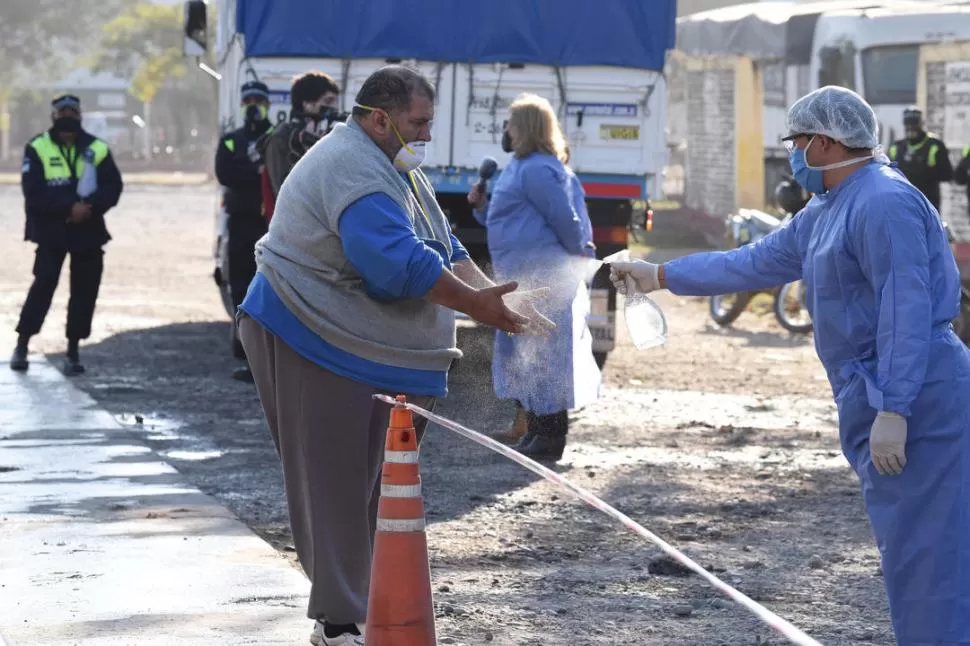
x: 50, y: 175
x: 237, y: 169
x: 925, y: 163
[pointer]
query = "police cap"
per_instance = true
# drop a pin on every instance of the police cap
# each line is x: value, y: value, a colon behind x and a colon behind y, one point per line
x: 66, y: 101
x: 255, y: 89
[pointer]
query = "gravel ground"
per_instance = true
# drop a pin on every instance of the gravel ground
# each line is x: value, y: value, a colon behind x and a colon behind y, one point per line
x: 723, y: 442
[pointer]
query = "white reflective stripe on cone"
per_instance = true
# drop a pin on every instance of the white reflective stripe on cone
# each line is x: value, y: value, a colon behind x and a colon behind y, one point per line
x: 400, y: 525
x: 401, y: 457
x: 401, y: 491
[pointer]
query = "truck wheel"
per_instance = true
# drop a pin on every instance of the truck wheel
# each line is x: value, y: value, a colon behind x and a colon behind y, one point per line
x: 726, y: 308
x: 600, y: 358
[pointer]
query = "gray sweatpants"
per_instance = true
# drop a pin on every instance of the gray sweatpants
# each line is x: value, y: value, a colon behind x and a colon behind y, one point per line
x: 329, y: 433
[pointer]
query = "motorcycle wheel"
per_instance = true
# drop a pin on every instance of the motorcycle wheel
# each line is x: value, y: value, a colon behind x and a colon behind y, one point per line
x: 726, y: 308
x: 790, y: 310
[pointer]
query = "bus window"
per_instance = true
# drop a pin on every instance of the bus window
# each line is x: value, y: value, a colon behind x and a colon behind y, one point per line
x: 837, y: 66
x: 889, y: 74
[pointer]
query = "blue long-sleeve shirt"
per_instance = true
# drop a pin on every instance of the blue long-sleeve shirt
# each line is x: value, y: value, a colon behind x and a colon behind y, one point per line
x: 882, y: 282
x: 379, y: 241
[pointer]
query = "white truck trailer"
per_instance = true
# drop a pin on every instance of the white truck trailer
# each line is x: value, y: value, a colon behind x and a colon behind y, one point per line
x: 600, y: 64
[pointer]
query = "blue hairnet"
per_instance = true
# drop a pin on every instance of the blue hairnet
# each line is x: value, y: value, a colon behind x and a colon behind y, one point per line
x: 835, y: 112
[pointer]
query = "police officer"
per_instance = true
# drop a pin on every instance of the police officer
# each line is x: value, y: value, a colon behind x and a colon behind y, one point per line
x: 69, y: 181
x: 237, y: 169
x: 921, y: 157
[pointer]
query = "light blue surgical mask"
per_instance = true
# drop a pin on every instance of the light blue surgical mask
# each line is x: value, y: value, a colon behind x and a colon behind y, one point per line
x: 811, y: 178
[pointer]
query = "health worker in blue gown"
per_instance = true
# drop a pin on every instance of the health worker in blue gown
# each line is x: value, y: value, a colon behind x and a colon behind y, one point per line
x: 883, y: 288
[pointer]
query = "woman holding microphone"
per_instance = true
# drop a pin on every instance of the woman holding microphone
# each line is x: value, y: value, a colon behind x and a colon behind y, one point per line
x: 536, y: 237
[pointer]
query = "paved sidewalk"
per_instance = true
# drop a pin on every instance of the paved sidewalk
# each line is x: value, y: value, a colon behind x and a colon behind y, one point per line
x: 103, y: 543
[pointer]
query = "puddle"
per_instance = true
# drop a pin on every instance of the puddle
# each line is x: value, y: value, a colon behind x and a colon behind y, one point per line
x: 154, y: 424
x: 119, y: 387
x: 193, y: 456
x: 180, y: 443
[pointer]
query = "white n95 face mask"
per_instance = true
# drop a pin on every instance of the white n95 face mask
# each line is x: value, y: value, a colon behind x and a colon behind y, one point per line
x: 411, y: 156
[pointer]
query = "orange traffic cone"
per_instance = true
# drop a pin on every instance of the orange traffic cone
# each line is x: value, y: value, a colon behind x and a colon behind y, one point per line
x: 400, y: 611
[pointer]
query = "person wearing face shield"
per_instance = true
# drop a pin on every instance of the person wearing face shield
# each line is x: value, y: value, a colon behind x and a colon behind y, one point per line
x: 922, y: 157
x: 357, y: 285
x: 883, y: 287
x: 313, y: 98
x: 70, y: 181
x: 237, y: 170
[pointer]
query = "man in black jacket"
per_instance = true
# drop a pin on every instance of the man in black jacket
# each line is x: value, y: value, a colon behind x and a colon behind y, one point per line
x: 69, y: 181
x: 922, y: 157
x: 237, y: 169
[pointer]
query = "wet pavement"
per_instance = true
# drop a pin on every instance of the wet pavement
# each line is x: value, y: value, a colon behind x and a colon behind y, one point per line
x: 102, y: 542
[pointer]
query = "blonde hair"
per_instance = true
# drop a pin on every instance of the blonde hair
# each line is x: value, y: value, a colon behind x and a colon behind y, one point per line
x: 535, y: 127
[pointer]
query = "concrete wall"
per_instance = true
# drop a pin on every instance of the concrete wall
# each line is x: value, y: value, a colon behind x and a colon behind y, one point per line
x: 943, y: 92
x: 724, y: 135
x: 716, y: 145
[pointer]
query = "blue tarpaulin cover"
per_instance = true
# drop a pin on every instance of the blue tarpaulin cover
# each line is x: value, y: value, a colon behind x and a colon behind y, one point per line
x: 624, y: 33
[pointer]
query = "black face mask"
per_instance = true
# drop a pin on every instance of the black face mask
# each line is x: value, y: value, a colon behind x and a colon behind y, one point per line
x: 255, y: 122
x: 507, y: 142
x: 67, y: 125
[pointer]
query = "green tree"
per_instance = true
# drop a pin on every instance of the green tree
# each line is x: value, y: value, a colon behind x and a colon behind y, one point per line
x: 144, y: 44
x: 41, y: 38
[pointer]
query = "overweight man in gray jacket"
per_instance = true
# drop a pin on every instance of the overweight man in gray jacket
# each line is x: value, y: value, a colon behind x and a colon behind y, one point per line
x: 359, y: 279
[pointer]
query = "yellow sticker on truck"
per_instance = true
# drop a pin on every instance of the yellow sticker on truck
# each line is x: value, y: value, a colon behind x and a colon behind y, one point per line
x: 627, y: 133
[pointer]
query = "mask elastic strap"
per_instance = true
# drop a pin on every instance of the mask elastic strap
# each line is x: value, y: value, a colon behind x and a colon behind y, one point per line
x: 390, y: 121
x: 841, y: 164
x: 417, y: 196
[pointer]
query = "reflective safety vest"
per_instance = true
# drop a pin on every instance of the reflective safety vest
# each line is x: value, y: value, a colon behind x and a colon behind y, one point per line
x: 57, y: 170
x: 912, y: 149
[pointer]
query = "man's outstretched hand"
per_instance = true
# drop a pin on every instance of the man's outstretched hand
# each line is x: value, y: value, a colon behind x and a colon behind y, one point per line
x: 524, y: 303
x: 489, y: 307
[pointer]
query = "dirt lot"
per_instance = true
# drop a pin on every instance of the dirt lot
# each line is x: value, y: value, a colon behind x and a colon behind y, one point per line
x: 723, y: 442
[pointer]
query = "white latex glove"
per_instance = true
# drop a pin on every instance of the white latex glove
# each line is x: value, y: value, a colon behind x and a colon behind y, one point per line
x: 635, y: 275
x: 887, y: 443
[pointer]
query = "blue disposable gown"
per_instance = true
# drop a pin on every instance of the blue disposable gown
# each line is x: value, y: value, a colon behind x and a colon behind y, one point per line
x: 536, y: 238
x: 883, y: 288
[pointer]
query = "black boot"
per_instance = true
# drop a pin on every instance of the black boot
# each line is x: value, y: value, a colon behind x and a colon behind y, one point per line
x: 19, y: 362
x: 72, y: 364
x: 73, y: 367
x: 549, y: 441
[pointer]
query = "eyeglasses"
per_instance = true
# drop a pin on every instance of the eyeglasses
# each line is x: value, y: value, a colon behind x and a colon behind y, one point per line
x: 790, y: 140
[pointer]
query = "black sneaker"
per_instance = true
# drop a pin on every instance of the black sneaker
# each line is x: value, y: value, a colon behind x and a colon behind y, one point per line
x: 73, y: 367
x: 19, y: 362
